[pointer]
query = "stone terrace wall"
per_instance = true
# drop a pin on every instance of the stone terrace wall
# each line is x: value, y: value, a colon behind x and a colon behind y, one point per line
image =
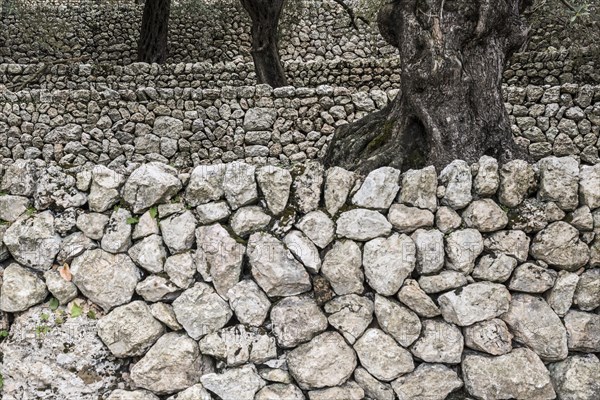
x: 187, y: 127
x: 246, y: 283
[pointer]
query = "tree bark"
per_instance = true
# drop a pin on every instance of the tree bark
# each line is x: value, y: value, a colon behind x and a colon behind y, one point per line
x: 152, y: 44
x: 449, y: 106
x: 264, y: 15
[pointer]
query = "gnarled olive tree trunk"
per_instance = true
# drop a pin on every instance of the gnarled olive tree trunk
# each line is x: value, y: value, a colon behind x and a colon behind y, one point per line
x: 154, y: 32
x: 264, y: 15
x: 450, y: 104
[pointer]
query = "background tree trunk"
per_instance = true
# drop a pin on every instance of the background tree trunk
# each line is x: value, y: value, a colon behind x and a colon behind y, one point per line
x: 264, y: 15
x: 152, y: 45
x: 450, y: 104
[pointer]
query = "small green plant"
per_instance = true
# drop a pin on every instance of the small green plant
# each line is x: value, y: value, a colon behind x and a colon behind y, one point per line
x: 53, y: 304
x: 133, y: 220
x: 153, y: 212
x: 91, y: 314
x: 44, y: 317
x: 3, y: 333
x: 76, y: 311
x: 30, y: 211
x: 41, y: 330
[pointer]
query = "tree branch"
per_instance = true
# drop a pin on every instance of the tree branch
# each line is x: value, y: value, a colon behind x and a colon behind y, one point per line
x: 351, y: 14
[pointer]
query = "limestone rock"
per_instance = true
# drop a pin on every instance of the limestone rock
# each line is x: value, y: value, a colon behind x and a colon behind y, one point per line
x: 239, y: 184
x: 462, y: 249
x: 120, y: 394
x: 92, y: 225
x: 318, y: 227
x: 259, y: 119
x: 388, y: 262
x: 373, y: 388
x: 342, y: 267
x: 174, y: 363
x: 350, y: 315
x: 397, y: 321
x: 274, y: 183
x: 72, y: 246
x: 444, y: 281
x: 325, y: 361
x: 130, y: 330
x: 196, y: 392
x: 205, y: 185
x: 491, y: 336
x: 150, y: 184
x: 559, y: 181
x: 532, y: 278
x: 117, y: 238
x: 12, y: 207
x: 494, y: 268
x: 238, y: 345
x: 487, y: 180
x: 440, y: 342
x: 157, y: 288
x: 485, y: 216
x: 164, y: 313
x: 419, y: 188
x: 201, y: 311
x: 427, y: 382
x: 457, y: 179
x: 181, y: 269
x: 249, y: 303
x: 149, y: 253
x: 236, y: 383
x: 534, y: 324
x: 417, y: 300
x: 304, y: 250
x: 382, y: 356
x: 559, y: 246
x: 108, y: 280
x: 560, y: 297
x: 430, y: 250
x: 583, y: 330
x: 296, y: 320
x: 576, y: 378
x: 361, y: 224
x: 20, y: 178
x: 212, y: 212
x: 589, y: 182
x: 502, y: 377
x: 274, y: 268
x: 511, y: 243
x: 307, y: 187
x: 587, y: 294
x: 21, y: 289
x: 247, y: 220
x: 33, y: 241
x: 104, y: 191
x: 379, y: 189
x: 178, y: 232
x: 279, y: 391
x: 64, y: 291
x: 348, y: 391
x: 447, y: 220
x: 408, y: 219
x: 517, y: 180
x: 338, y: 183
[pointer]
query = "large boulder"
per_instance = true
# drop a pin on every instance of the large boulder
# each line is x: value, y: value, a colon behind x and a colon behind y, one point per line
x: 236, y: 383
x: 440, y: 342
x: 378, y: 189
x: 473, y: 303
x: 428, y: 381
x: 21, y: 289
x: 381, y: 355
x: 239, y: 345
x: 388, y: 262
x: 362, y: 224
x: 275, y: 184
x: 296, y: 320
x: 150, y: 184
x: 559, y: 246
x: 576, y: 378
x: 559, y: 181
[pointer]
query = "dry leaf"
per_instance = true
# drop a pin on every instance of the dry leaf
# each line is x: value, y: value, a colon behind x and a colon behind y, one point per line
x: 65, y: 272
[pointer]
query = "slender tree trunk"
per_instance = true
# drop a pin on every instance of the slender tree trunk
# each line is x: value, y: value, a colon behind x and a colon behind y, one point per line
x: 264, y: 15
x: 152, y: 45
x: 450, y: 103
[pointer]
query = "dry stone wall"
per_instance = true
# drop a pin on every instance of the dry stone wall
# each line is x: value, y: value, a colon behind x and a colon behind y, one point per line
x: 233, y: 281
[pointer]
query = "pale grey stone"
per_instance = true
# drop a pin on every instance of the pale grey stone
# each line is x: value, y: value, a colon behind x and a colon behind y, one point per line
x: 531, y: 278
x: 427, y: 382
x: 247, y: 220
x: 33, y: 241
x: 447, y: 220
x: 150, y: 184
x: 397, y: 321
x: 491, y: 336
x: 342, y: 267
x: 440, y: 342
x: 473, y: 303
x: 307, y: 186
x: 511, y: 243
x: 178, y: 232
x: 104, y: 191
x: 457, y: 179
x: 174, y: 363
x: 559, y: 181
x: 274, y: 268
x: 583, y: 331
x: 361, y: 224
x: 224, y: 256
x: 12, y: 207
x: 240, y: 383
x: 559, y: 246
x: 589, y: 182
x: 280, y: 391
x: 20, y: 178
x: 63, y: 290
x: 348, y: 391
x: 149, y: 253
x: 560, y: 297
x: 164, y: 313
x: 304, y: 250
x: 442, y: 282
x: 196, y: 392
x: 408, y: 219
x: 201, y: 311
x: 120, y: 394
x: 238, y: 345
x: 379, y: 189
x: 462, y: 249
x: 382, y: 356
x: 373, y: 388
x: 487, y: 180
x: 338, y: 183
x: 117, y: 237
x: 485, y: 216
x: 576, y: 378
x: 130, y: 330
x: 181, y: 269
x: 259, y: 119
x: 587, y: 294
x: 72, y: 246
x: 169, y: 127
x: 582, y: 219
x: 21, y: 289
x: 205, y: 184
x: 325, y: 361
x: 430, y: 250
x: 296, y: 320
x: 108, y: 280
x: 387, y: 262
x: 318, y: 227
x: 157, y: 288
x: 274, y: 183
x: 517, y: 181
x: 494, y: 268
x: 419, y: 188
x: 412, y: 296
x: 92, y: 225
x: 239, y: 184
x: 535, y: 324
x: 212, y: 212
x: 250, y: 304
x: 502, y: 377
x: 350, y: 315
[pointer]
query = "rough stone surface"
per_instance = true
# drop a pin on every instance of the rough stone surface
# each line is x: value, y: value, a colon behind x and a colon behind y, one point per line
x: 417, y: 300
x: 304, y: 249
x: 342, y: 267
x: 338, y: 183
x: 428, y: 382
x: 587, y: 294
x: 297, y: 320
x: 318, y: 227
x: 372, y: 387
x: 559, y: 246
x: 149, y: 253
x: 379, y: 189
x: 408, y: 219
x: 583, y: 330
x: 457, y: 179
x: 576, y: 378
x: 487, y: 180
x: 239, y: 184
x: 560, y: 297
x: 150, y: 184
x: 178, y: 231
x: 306, y: 187
x: 274, y: 183
x: 236, y: 383
x: 517, y: 180
x: 249, y: 303
x: 419, y: 188
x: 205, y: 184
x: 440, y: 342
x: 494, y: 268
x: 531, y: 278
x: 350, y: 315
x: 21, y: 289
x: 559, y: 181
x: 491, y: 336
x: 430, y: 250
x: 397, y: 321
x: 485, y: 216
x: 247, y: 220
x: 462, y: 249
x: 361, y: 224
x: 238, y: 345
x: 382, y: 356
x: 511, y: 243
